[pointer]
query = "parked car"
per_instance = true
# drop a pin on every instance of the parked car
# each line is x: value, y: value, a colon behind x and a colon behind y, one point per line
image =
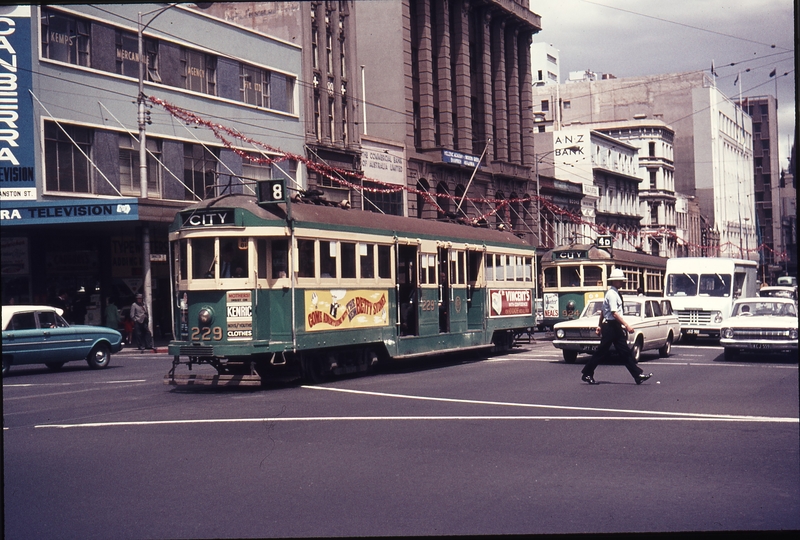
x: 654, y: 324
x: 778, y: 291
x: 40, y: 335
x: 762, y: 325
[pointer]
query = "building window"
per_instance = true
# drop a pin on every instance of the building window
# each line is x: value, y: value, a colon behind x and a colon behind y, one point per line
x: 375, y: 200
x: 567, y: 104
x: 67, y: 166
x: 332, y: 118
x: 545, y: 105
x: 654, y: 214
x: 281, y: 92
x: 652, y: 149
x: 199, y: 71
x: 254, y: 86
x: 329, y: 50
x: 65, y: 38
x: 199, y: 171
x: 127, y: 52
x: 653, y: 184
x: 314, y: 46
x: 345, y: 134
x: 317, y: 114
x: 129, y: 166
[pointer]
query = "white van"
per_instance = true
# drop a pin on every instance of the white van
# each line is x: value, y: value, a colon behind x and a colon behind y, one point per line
x: 702, y: 290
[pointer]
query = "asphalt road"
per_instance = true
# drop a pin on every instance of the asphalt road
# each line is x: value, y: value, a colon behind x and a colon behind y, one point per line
x: 512, y: 444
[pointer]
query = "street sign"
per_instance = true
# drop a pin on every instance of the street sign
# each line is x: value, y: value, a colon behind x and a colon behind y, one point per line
x: 605, y: 241
x: 271, y: 191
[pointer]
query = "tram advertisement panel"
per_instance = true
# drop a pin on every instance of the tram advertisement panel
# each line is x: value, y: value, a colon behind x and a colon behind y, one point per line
x: 510, y: 302
x: 239, y: 308
x: 343, y: 309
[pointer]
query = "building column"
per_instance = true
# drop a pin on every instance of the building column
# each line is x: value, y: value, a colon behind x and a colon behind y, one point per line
x: 461, y: 76
x: 499, y: 90
x: 425, y: 60
x: 486, y: 76
x: 514, y: 123
x: 526, y: 99
x: 445, y: 74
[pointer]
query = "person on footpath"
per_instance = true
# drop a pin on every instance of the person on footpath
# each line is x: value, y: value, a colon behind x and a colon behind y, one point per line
x: 112, y: 314
x: 611, y: 328
x: 140, y: 317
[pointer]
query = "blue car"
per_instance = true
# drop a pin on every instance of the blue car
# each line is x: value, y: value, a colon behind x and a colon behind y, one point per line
x: 40, y: 335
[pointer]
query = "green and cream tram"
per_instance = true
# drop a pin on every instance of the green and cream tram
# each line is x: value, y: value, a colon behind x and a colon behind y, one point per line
x: 576, y: 274
x: 315, y: 290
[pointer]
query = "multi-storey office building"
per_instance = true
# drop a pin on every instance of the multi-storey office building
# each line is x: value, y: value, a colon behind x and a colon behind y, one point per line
x: 770, y: 193
x: 713, y: 145
x: 412, y: 99
x: 73, y: 215
x: 654, y: 141
x: 328, y: 87
x: 450, y: 82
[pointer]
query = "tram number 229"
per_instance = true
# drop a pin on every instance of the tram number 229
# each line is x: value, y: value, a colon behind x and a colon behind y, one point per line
x: 206, y: 334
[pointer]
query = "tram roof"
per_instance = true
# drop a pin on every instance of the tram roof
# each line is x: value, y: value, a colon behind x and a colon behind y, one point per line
x: 335, y: 218
x: 616, y: 255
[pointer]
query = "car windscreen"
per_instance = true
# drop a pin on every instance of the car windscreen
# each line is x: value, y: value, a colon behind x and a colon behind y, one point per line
x: 762, y: 308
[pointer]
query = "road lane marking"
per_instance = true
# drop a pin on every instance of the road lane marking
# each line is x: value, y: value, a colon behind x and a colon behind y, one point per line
x: 708, y: 418
x: 27, y: 385
x: 541, y: 406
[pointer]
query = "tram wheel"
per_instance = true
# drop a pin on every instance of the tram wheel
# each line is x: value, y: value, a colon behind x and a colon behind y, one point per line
x: 312, y: 370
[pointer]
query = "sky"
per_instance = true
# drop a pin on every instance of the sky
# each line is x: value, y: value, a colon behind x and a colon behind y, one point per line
x: 629, y: 38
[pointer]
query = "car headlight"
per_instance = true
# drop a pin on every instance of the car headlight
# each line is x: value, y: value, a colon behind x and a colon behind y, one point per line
x: 205, y: 316
x: 717, y: 315
x: 560, y: 333
x: 793, y: 333
x: 727, y: 333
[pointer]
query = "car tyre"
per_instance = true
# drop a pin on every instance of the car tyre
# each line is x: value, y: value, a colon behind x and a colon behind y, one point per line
x: 731, y: 354
x: 54, y: 366
x: 664, y: 351
x: 99, y: 357
x: 636, y: 350
x: 570, y: 356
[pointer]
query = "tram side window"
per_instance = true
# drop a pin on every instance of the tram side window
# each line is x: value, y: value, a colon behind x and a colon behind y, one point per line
x: 203, y: 258
x: 500, y: 268
x: 305, y: 258
x: 520, y: 269
x: 570, y: 276
x: 384, y: 262
x: 234, y: 260
x: 592, y: 276
x: 551, y: 277
x: 427, y: 268
x: 366, y: 257
x: 489, y: 267
x: 528, y: 268
x: 348, y: 260
x: 327, y: 259
x: 280, y: 258
x: 457, y: 268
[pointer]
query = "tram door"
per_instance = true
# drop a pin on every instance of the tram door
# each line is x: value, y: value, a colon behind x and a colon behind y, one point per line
x: 407, y: 293
x: 457, y: 288
x: 444, y: 291
x: 476, y: 292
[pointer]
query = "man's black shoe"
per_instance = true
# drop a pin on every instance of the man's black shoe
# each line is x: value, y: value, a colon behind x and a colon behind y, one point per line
x: 641, y: 378
x: 589, y: 379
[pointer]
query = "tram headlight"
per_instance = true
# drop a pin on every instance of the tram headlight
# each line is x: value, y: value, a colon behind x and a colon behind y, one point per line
x: 717, y: 316
x: 571, y: 305
x: 560, y: 333
x: 205, y: 316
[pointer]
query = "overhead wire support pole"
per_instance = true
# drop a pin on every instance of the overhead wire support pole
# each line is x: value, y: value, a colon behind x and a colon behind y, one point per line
x: 474, y: 171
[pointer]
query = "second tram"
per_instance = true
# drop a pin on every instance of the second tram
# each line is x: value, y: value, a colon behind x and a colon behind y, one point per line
x: 576, y: 274
x: 314, y: 290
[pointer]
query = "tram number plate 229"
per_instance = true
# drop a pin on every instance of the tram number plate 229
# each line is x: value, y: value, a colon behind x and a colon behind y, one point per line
x: 208, y: 333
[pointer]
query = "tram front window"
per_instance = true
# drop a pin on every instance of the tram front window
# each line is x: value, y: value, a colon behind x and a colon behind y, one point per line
x: 570, y: 276
x: 551, y: 277
x: 203, y: 258
x: 234, y: 258
x: 592, y: 276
